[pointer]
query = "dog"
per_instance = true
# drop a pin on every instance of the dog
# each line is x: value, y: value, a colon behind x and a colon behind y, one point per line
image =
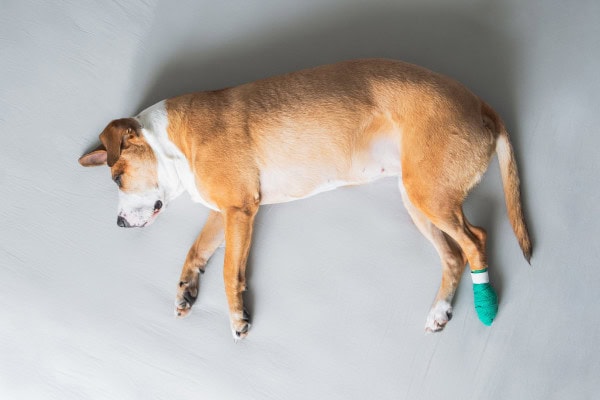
x: 292, y: 136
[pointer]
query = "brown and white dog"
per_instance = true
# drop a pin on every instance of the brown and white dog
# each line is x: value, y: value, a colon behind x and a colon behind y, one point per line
x: 296, y: 135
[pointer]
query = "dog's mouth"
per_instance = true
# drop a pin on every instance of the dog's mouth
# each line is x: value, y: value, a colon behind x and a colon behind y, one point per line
x: 157, y: 209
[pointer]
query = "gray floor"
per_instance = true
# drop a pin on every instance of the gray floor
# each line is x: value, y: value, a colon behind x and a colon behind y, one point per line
x: 340, y: 284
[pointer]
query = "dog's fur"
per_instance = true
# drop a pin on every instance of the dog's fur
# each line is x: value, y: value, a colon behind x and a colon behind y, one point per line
x: 299, y: 134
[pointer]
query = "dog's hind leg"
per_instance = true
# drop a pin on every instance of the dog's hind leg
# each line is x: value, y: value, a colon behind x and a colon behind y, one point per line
x: 209, y: 239
x: 444, y: 209
x: 453, y: 264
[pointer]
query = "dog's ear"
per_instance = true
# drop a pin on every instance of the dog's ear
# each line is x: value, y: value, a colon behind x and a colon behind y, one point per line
x: 94, y: 158
x: 116, y: 135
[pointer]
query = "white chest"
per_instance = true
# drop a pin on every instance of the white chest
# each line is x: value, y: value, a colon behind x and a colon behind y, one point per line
x: 174, y: 172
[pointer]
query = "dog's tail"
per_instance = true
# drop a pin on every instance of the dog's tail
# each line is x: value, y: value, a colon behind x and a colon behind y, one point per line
x: 510, y: 181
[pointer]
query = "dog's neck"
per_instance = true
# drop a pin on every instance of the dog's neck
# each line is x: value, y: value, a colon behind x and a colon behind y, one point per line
x: 174, y: 173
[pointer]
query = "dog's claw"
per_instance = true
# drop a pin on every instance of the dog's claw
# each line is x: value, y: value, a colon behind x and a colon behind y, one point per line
x: 241, y: 327
x: 182, y: 310
x: 242, y: 333
x: 186, y: 297
x: 438, y: 317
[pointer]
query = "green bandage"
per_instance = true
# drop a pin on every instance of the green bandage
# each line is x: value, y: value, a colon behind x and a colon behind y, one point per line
x: 484, y: 295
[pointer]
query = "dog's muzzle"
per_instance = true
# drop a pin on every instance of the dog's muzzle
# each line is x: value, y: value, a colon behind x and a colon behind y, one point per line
x: 124, y: 223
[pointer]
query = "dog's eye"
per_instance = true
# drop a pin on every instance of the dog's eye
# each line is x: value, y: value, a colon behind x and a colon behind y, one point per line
x: 117, y: 180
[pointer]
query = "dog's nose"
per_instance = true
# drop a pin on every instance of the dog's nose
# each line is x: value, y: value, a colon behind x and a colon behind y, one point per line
x: 158, y: 205
x: 122, y: 222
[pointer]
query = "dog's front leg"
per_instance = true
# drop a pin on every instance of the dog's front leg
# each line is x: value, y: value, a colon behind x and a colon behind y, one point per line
x: 238, y: 235
x: 211, y: 237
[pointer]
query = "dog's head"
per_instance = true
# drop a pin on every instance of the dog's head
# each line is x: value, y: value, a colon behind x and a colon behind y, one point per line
x: 134, y: 169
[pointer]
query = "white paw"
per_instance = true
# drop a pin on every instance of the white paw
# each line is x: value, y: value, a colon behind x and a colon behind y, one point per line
x: 438, y: 317
x: 240, y: 325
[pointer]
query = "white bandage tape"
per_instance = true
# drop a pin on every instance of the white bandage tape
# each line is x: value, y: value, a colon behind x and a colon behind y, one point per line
x: 480, y: 277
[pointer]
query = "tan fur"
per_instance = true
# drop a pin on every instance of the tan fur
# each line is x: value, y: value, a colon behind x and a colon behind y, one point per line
x: 208, y: 241
x: 128, y: 155
x: 290, y: 136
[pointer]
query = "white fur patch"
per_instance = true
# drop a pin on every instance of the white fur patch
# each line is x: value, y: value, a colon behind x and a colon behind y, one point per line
x: 290, y: 182
x: 383, y: 159
x: 280, y: 185
x: 138, y: 208
x: 174, y: 172
x: 438, y: 317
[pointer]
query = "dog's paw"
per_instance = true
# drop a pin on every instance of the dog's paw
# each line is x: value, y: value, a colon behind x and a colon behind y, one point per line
x: 240, y: 325
x: 187, y: 292
x: 438, y: 317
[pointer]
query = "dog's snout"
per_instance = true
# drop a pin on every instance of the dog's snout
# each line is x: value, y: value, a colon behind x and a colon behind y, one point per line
x: 122, y: 222
x: 158, y: 205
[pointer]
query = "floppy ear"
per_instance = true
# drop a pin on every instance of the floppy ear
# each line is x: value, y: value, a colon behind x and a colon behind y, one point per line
x: 115, y: 136
x: 94, y: 158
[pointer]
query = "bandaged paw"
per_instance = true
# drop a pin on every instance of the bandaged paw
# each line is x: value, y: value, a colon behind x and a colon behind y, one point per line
x: 484, y: 296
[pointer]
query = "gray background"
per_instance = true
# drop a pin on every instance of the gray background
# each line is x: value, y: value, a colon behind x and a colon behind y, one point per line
x: 340, y: 284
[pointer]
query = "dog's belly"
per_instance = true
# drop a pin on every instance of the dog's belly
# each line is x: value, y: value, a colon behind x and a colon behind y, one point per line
x: 294, y: 180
